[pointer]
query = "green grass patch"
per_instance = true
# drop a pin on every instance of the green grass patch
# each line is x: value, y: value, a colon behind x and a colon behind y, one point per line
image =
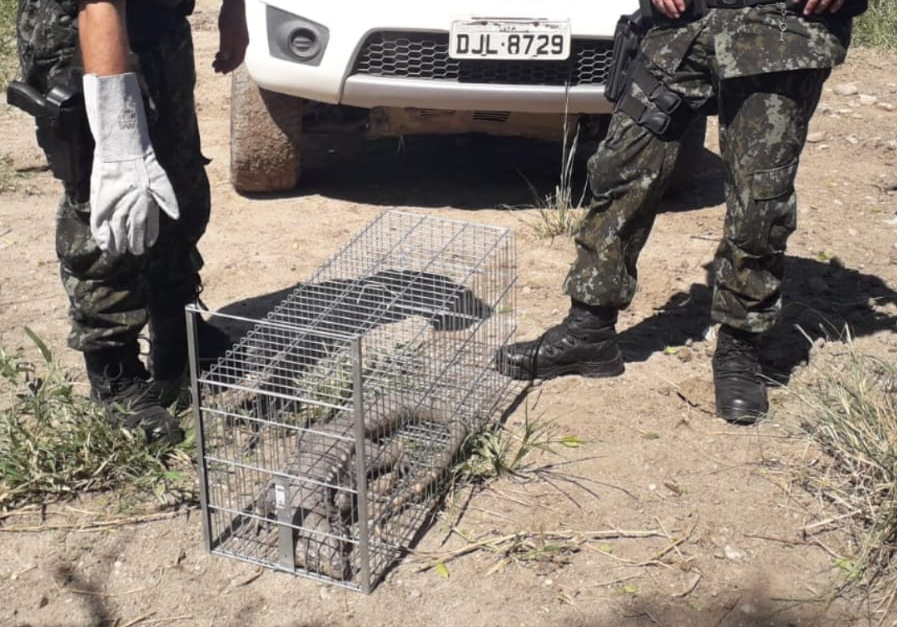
x: 499, y: 451
x: 7, y: 41
x: 877, y: 27
x: 55, y: 444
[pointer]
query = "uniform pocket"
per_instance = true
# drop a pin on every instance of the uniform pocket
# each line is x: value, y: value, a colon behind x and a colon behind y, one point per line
x: 775, y: 183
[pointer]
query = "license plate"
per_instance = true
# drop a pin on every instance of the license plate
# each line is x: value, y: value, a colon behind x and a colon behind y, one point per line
x: 539, y: 40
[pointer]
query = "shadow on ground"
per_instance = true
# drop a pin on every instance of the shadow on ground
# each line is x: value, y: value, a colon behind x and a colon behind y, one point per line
x: 102, y: 606
x: 740, y: 608
x: 822, y: 299
x: 744, y: 607
x: 463, y: 171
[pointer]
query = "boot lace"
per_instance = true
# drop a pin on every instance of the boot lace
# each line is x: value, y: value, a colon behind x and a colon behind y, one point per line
x: 736, y: 355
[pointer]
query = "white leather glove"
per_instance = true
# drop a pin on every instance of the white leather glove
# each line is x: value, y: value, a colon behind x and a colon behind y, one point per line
x: 127, y: 184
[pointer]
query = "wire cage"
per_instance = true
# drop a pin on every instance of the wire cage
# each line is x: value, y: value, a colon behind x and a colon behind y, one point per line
x: 327, y: 432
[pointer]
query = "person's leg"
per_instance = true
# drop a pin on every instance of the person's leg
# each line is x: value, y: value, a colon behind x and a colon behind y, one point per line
x: 173, y: 278
x: 107, y: 312
x: 763, y: 127
x: 627, y: 175
x: 106, y: 295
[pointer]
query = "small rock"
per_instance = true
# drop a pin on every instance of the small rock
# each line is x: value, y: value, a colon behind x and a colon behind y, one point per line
x: 816, y: 137
x: 852, y: 232
x: 823, y: 147
x: 868, y: 99
x: 684, y: 354
x: 732, y: 553
x: 414, y: 594
x: 526, y: 290
x: 852, y: 140
x: 845, y: 89
x: 885, y: 106
x: 747, y: 608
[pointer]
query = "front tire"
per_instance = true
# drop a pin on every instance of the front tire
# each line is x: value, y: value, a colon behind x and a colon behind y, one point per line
x: 265, y: 139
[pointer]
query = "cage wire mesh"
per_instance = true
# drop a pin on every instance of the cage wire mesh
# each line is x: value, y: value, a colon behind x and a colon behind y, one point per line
x: 327, y: 432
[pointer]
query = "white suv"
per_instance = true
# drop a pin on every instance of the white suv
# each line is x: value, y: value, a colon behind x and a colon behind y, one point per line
x: 399, y: 67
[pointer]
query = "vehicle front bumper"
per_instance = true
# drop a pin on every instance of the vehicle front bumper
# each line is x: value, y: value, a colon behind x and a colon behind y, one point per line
x: 376, y: 91
x: 331, y: 80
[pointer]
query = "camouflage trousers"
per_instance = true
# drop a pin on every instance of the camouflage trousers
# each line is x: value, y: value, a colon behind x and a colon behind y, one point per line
x: 112, y: 298
x: 763, y: 121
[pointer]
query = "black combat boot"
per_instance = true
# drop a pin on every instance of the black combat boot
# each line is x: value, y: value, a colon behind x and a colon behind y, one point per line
x: 737, y: 377
x: 119, y: 381
x: 585, y: 343
x: 168, y: 352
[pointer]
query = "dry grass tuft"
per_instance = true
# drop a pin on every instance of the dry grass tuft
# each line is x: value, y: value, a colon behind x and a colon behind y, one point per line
x: 850, y: 410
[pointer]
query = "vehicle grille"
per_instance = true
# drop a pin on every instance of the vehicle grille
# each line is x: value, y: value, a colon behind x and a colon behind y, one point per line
x: 425, y: 55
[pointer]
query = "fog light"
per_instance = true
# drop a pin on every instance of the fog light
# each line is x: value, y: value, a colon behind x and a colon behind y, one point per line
x: 304, y: 43
x: 294, y: 38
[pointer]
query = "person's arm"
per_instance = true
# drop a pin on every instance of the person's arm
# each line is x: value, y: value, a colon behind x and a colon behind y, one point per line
x: 128, y: 187
x: 233, y: 36
x: 104, y: 37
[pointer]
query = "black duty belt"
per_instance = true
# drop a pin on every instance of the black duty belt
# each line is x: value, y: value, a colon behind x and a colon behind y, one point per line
x: 736, y: 4
x: 851, y: 8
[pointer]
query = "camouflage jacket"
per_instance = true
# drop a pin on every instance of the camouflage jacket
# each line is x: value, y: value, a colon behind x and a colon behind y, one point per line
x: 754, y: 40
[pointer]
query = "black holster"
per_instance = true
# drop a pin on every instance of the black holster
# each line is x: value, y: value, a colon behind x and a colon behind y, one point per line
x: 62, y: 130
x: 628, y: 67
x: 629, y: 32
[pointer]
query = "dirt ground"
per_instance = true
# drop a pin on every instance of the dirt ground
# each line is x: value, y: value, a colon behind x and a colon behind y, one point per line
x: 656, y: 459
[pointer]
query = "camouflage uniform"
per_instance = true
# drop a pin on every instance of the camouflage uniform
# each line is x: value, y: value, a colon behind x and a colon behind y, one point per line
x: 112, y: 298
x: 761, y: 69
